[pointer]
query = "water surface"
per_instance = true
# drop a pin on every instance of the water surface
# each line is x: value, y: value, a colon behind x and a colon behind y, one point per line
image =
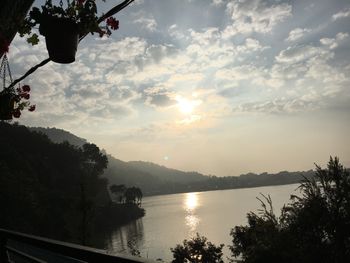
x: 172, y: 218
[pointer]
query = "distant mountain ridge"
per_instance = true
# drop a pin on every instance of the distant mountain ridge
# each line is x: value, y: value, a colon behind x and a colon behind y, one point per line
x: 169, y: 174
x: 155, y: 179
x: 59, y: 135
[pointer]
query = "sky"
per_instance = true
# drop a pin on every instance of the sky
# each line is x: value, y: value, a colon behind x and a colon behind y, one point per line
x: 215, y: 86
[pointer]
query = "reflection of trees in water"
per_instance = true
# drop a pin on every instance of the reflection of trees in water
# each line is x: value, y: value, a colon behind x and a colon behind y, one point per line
x: 128, y: 238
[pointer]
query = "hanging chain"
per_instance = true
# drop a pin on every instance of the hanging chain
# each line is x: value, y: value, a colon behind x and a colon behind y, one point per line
x: 61, y: 3
x: 5, y: 70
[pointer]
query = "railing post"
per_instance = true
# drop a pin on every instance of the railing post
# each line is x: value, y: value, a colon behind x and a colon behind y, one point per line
x: 3, y: 250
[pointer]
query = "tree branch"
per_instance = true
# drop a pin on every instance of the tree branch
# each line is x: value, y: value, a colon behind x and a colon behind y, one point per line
x: 111, y: 12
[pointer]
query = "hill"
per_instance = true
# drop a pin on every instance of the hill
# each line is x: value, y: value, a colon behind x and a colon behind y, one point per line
x: 155, y: 179
x: 59, y: 135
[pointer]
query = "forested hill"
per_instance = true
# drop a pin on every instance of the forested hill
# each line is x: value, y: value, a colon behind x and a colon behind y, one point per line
x: 155, y: 179
x: 59, y: 135
x: 168, y: 174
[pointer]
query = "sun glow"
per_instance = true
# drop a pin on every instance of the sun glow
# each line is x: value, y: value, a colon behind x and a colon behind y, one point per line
x: 187, y: 106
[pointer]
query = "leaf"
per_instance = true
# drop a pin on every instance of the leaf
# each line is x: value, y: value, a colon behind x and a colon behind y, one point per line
x: 34, y: 39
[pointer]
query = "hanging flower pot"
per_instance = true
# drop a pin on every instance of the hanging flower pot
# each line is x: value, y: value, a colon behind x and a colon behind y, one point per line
x: 62, y: 38
x: 63, y: 24
x: 12, y: 100
x: 7, y: 105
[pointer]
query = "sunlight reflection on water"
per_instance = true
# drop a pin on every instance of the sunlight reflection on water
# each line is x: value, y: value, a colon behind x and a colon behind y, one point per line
x: 191, y: 219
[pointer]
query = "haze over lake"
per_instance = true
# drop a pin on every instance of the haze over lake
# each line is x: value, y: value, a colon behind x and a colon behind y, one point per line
x: 172, y: 218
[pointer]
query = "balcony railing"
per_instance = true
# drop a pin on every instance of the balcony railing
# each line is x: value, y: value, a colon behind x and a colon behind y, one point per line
x: 19, y: 247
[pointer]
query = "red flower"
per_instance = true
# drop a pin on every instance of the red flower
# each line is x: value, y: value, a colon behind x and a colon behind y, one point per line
x: 32, y: 108
x: 17, y: 113
x: 26, y: 88
x: 25, y: 95
x: 113, y: 23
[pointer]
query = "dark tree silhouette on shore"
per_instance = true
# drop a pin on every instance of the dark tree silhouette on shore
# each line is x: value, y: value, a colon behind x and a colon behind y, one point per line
x: 55, y: 190
x: 314, y: 227
x: 118, y: 191
x: 133, y: 195
x: 197, y: 250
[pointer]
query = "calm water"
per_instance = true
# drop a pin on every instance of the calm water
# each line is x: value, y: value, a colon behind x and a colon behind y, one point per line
x: 172, y: 218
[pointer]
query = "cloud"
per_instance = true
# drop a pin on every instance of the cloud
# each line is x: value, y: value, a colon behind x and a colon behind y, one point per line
x: 121, y: 77
x: 279, y: 106
x: 158, y: 52
x: 297, y: 34
x: 300, y: 53
x: 176, y: 33
x: 255, y: 16
x: 217, y: 2
x: 333, y: 43
x: 341, y: 14
x: 244, y: 72
x: 148, y: 23
x: 160, y: 100
x: 250, y: 45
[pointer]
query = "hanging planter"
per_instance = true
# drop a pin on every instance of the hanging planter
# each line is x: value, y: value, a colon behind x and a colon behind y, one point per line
x: 62, y: 26
x: 62, y: 36
x: 7, y: 106
x: 12, y: 101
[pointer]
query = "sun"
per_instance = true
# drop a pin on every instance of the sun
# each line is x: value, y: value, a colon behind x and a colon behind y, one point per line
x: 186, y: 106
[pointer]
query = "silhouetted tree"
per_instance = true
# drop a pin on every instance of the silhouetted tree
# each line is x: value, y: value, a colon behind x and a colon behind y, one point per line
x: 92, y: 164
x: 118, y: 191
x: 197, y: 250
x: 138, y: 195
x: 315, y: 227
x: 133, y: 195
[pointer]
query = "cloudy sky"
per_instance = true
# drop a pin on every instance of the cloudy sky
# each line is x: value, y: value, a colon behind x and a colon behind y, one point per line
x: 221, y: 87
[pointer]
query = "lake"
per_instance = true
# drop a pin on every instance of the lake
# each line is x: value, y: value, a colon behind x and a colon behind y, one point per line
x: 172, y: 218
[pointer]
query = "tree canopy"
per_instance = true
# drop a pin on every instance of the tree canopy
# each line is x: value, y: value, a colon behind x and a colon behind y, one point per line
x: 314, y: 227
x: 53, y: 189
x: 197, y: 250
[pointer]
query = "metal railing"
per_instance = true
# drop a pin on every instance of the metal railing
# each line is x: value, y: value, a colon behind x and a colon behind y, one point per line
x: 22, y: 248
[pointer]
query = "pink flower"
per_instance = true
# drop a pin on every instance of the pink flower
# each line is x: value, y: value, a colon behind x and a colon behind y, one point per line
x: 32, y: 108
x: 113, y: 23
x: 25, y: 95
x: 17, y: 113
x: 26, y: 88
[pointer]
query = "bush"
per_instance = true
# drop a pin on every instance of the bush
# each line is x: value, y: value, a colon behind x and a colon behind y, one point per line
x: 314, y: 227
x: 197, y: 250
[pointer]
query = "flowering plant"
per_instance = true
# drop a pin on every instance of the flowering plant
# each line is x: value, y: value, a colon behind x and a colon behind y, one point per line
x: 83, y: 13
x: 13, y: 101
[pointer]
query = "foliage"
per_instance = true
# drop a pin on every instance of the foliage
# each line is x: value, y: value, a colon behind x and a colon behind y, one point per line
x: 83, y: 13
x: 197, y: 250
x: 56, y: 189
x: 314, y: 227
x: 13, y: 101
x: 130, y: 195
x: 41, y: 183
